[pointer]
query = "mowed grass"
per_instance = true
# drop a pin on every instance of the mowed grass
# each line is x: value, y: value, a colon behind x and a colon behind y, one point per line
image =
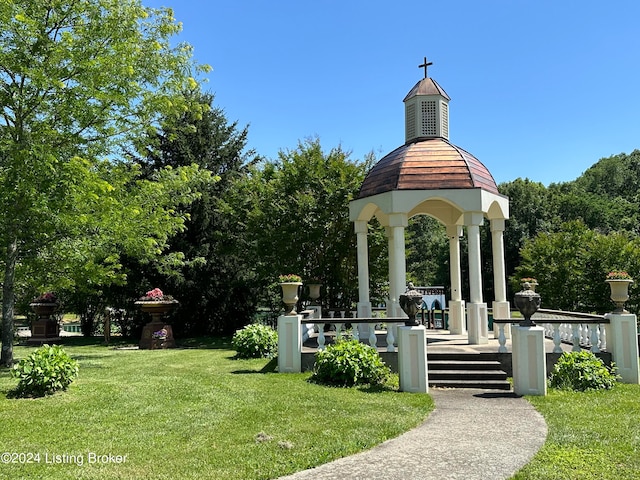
x: 592, y: 435
x: 191, y: 413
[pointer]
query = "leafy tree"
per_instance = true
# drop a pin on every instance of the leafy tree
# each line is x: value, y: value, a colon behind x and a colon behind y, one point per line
x: 529, y: 214
x: 557, y: 261
x: 298, y: 222
x: 597, y: 211
x: 427, y: 251
x: 78, y: 80
x: 571, y: 266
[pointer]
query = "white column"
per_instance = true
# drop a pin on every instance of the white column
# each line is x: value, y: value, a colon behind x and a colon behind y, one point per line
x: 397, y: 261
x: 457, y: 320
x: 364, y: 302
x: 476, y: 308
x: 529, y: 361
x: 475, y: 260
x: 622, y: 342
x: 392, y: 284
x: 454, y: 232
x: 501, y: 307
x: 412, y: 359
x: 289, y: 344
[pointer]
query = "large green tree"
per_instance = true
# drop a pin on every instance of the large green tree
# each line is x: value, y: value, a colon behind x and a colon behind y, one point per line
x: 298, y: 221
x: 79, y: 79
x: 427, y: 251
x: 209, y: 269
x: 572, y: 264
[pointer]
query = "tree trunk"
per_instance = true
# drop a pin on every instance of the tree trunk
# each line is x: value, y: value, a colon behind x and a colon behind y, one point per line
x: 8, y: 302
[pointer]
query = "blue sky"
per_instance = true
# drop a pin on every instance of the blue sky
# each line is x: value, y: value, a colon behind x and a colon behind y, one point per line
x: 539, y: 89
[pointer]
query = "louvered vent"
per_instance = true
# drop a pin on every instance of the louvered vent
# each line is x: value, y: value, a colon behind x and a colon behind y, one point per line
x: 428, y: 115
x: 410, y: 121
x: 445, y: 119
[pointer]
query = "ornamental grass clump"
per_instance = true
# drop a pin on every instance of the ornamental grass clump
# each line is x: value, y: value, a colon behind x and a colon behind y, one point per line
x: 582, y: 371
x: 255, y: 341
x: 44, y: 372
x: 349, y: 362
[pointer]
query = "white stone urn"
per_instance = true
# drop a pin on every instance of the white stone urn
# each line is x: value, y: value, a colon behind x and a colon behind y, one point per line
x: 314, y: 292
x: 290, y: 296
x: 619, y: 292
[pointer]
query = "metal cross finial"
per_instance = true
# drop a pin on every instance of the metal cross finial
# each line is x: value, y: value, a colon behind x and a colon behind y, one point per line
x: 425, y: 65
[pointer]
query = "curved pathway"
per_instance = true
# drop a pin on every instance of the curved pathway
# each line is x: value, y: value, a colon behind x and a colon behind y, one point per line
x: 471, y: 434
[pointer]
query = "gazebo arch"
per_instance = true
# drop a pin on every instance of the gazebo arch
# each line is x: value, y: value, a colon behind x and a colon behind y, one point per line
x: 429, y: 175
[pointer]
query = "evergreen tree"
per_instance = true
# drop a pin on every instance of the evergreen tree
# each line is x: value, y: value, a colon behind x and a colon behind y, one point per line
x: 206, y: 265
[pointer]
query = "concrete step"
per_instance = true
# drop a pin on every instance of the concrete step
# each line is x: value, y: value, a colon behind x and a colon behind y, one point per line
x: 467, y: 374
x: 483, y: 384
x: 463, y: 365
x: 465, y: 371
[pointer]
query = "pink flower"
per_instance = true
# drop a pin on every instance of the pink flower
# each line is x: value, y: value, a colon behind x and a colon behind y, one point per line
x: 156, y: 293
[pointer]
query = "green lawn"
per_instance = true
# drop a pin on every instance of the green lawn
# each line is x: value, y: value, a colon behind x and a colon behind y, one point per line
x: 592, y: 435
x: 191, y: 413
x: 197, y: 413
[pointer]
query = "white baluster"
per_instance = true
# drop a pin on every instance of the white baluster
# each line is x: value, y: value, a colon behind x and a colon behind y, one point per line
x: 354, y: 313
x: 585, y: 335
x: 355, y: 333
x: 342, y: 312
x: 565, y: 330
x: 390, y: 340
x: 338, y: 330
x: 373, y: 340
x: 321, y: 338
x: 557, y: 340
x: 594, y: 337
x: 502, y: 339
x: 575, y: 330
x: 331, y: 313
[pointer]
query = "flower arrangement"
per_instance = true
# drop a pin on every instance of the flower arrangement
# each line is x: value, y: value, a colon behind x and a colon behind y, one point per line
x: 156, y: 295
x: 618, y: 275
x: 160, y: 334
x: 290, y: 278
x: 528, y: 280
x: 47, y: 297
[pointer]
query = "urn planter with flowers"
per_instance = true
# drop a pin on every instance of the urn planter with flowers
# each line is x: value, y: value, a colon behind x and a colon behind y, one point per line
x: 157, y: 333
x: 45, y: 328
x: 533, y: 283
x: 619, y: 282
x: 290, y: 285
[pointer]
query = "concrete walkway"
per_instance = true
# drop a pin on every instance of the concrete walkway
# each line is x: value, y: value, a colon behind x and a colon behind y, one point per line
x: 471, y: 434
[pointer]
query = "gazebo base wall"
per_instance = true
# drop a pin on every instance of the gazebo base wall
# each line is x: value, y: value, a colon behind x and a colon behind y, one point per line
x: 457, y: 319
x: 477, y: 323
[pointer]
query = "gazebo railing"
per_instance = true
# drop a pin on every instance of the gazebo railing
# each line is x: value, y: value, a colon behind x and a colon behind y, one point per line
x: 581, y: 330
x: 340, y: 322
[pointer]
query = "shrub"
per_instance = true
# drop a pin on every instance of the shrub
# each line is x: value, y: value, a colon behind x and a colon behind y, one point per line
x: 582, y: 371
x: 44, y: 372
x: 255, y: 341
x: 349, y: 362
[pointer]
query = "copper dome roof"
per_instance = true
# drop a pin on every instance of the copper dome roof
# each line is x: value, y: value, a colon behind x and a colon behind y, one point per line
x: 429, y: 164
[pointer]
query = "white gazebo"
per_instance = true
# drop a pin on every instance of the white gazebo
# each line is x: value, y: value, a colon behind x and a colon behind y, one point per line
x: 431, y: 176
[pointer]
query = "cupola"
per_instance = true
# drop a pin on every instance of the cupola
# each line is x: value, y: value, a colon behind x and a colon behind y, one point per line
x: 426, y: 110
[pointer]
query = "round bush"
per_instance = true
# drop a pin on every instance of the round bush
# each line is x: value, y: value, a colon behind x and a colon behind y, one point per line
x: 255, y: 341
x: 349, y: 362
x: 582, y: 371
x: 44, y: 372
